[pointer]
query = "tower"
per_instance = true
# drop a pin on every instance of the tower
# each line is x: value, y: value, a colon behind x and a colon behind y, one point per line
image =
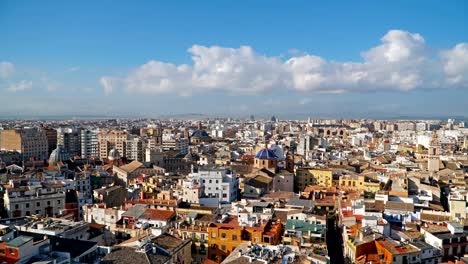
x: 434, y: 152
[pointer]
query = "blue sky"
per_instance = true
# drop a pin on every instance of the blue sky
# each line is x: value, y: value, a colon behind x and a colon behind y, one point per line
x: 288, y: 58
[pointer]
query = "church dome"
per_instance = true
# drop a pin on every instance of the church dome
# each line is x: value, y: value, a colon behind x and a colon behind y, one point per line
x: 59, y: 154
x: 201, y: 134
x: 278, y: 150
x: 114, y: 154
x: 266, y: 154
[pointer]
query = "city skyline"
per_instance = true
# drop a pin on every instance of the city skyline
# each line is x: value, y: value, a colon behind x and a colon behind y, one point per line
x: 376, y: 60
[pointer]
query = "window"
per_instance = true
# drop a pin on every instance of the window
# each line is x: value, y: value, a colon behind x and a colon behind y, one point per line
x: 234, y: 237
x: 58, y: 201
x: 27, y: 205
x: 223, y: 235
x: 38, y: 204
x: 38, y: 211
x: 48, y: 202
x: 213, y: 234
x: 16, y: 206
x: 12, y: 250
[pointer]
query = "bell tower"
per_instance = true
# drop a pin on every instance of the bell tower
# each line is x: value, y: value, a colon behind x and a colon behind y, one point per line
x: 434, y: 152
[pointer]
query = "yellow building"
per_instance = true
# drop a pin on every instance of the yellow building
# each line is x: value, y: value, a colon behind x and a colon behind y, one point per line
x: 310, y: 176
x: 109, y: 139
x: 30, y: 142
x: 224, y: 237
x: 359, y: 182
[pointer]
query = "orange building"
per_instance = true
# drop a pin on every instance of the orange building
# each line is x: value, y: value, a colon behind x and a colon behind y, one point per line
x: 391, y: 253
x: 224, y: 237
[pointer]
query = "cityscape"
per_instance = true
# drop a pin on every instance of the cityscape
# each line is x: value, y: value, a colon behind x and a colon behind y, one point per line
x: 233, y: 132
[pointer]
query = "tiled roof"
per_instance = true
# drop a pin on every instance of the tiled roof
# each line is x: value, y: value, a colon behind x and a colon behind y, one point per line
x: 155, y: 214
x: 132, y: 166
x: 393, y: 205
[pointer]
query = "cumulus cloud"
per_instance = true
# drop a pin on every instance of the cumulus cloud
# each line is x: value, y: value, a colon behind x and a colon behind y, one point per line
x: 20, y: 86
x: 402, y: 61
x: 6, y: 69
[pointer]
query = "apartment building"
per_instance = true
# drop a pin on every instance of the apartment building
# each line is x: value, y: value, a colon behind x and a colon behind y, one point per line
x: 69, y: 139
x: 310, y: 176
x: 30, y: 142
x: 109, y: 139
x: 34, y: 198
x: 89, y: 143
x: 218, y: 183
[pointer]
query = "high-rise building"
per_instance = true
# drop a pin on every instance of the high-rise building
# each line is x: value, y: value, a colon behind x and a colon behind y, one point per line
x: 51, y: 135
x: 135, y: 148
x: 30, y: 142
x: 89, y: 143
x: 109, y: 139
x: 306, y: 143
x: 69, y: 139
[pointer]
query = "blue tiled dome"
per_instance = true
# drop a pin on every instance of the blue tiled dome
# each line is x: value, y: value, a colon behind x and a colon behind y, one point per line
x: 200, y: 134
x: 266, y: 154
x: 59, y: 154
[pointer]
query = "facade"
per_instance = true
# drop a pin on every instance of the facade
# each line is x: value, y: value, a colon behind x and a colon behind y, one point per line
x: 109, y: 139
x: 70, y: 139
x: 227, y: 234
x: 44, y: 199
x: 359, y: 182
x: 135, y: 148
x: 89, y: 143
x: 306, y: 144
x: 30, y: 142
x: 111, y: 196
x: 51, y: 135
x: 221, y: 184
x: 100, y: 215
x: 310, y: 176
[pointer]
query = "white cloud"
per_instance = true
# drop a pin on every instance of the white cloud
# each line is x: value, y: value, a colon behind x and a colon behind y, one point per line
x: 456, y: 64
x: 73, y: 69
x: 108, y: 83
x: 6, y: 69
x: 20, y: 86
x: 402, y: 62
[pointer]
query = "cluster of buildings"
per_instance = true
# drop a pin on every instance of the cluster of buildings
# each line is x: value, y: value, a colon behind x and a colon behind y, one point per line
x: 230, y: 190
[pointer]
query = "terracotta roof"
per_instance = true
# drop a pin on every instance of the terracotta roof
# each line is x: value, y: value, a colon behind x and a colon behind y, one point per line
x: 156, y: 214
x: 393, y: 205
x: 132, y: 166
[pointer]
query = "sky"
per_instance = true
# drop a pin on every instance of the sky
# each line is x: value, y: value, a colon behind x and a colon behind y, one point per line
x: 234, y: 58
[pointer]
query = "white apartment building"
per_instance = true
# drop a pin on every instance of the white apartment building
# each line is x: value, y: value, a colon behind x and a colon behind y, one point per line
x: 218, y: 183
x: 135, y: 148
x: 35, y: 198
x: 89, y: 143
